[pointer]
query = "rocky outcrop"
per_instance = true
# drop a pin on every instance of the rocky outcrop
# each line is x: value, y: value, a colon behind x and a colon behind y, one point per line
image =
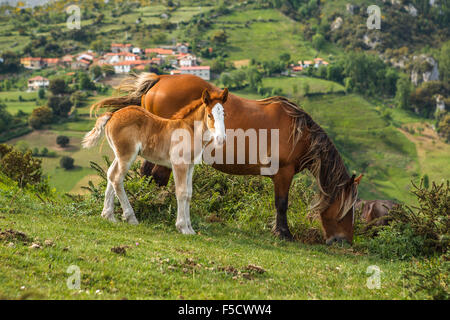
x: 337, y: 23
x: 372, y: 40
x: 440, y: 104
x: 424, y: 69
x: 411, y: 10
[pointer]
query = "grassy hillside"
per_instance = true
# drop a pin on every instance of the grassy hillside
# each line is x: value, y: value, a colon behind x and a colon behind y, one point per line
x: 160, y: 263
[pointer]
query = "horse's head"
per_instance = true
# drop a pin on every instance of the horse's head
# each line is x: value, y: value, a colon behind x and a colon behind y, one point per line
x: 215, y: 114
x: 338, y: 218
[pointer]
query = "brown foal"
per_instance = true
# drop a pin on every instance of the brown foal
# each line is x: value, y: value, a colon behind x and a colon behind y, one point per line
x: 170, y: 143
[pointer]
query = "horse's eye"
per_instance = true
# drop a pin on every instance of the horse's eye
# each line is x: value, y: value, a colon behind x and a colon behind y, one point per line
x: 209, y: 116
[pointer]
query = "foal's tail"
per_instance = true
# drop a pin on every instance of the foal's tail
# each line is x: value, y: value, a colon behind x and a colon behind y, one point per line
x: 92, y: 137
x: 135, y: 86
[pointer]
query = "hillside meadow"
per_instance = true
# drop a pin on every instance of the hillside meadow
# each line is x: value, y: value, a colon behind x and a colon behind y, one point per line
x: 153, y: 261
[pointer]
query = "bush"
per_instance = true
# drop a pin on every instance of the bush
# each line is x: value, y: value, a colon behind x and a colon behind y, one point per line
x: 67, y: 163
x: 62, y: 141
x: 40, y: 116
x: 429, y: 279
x: 415, y: 231
x: 20, y: 167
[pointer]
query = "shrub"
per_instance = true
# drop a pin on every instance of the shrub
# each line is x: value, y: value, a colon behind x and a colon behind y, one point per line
x: 62, y: 141
x: 20, y: 167
x: 416, y: 231
x: 40, y: 116
x: 428, y: 279
x: 67, y: 163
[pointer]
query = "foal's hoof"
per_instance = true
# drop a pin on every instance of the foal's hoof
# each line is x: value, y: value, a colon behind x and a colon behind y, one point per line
x: 283, y: 234
x: 109, y: 217
x: 132, y: 220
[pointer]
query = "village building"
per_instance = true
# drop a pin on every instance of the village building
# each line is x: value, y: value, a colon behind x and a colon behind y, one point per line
x: 182, y: 47
x: 82, y: 64
x: 319, y: 62
x: 37, y: 83
x: 67, y: 60
x: 32, y: 63
x: 203, y: 72
x: 127, y: 66
x: 51, y: 62
x: 120, y: 47
x: 119, y: 57
x: 159, y: 52
x: 187, y: 60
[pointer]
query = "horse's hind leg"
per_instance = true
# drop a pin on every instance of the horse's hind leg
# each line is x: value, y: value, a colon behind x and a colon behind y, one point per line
x: 117, y: 177
x: 108, y: 206
x: 282, y: 182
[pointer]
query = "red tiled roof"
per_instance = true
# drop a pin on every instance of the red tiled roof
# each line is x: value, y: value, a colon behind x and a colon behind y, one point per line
x: 38, y: 78
x: 159, y: 51
x: 120, y: 45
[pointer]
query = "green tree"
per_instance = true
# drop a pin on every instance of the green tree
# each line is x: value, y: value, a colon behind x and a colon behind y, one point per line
x: 444, y: 62
x: 58, y: 86
x: 41, y: 93
x: 67, y: 163
x: 40, y: 116
x: 403, y: 93
x: 62, y: 141
x: 318, y: 41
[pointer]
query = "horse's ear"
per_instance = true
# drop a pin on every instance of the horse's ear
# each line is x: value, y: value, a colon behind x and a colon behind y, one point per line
x: 206, y: 98
x: 225, y: 95
x: 358, y: 180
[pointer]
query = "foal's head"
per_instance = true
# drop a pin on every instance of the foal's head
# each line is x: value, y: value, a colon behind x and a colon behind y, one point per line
x: 215, y: 114
x: 338, y: 218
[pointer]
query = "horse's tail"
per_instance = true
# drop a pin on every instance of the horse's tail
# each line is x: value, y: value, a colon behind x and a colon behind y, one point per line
x: 135, y: 86
x: 92, y: 137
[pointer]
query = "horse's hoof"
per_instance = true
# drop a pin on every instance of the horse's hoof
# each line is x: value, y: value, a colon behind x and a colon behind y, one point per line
x: 284, y: 234
x: 109, y: 217
x: 187, y: 231
x: 132, y: 220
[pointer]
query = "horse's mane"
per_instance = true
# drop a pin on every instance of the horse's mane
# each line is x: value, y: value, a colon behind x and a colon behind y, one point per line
x: 188, y: 109
x: 321, y: 158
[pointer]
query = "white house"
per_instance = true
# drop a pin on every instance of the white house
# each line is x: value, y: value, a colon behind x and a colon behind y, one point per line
x: 119, y: 57
x: 136, y: 50
x: 37, y: 82
x: 187, y: 61
x: 200, y: 71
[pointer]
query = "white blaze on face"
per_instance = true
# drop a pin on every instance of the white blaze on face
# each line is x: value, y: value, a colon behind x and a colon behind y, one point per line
x: 219, y: 124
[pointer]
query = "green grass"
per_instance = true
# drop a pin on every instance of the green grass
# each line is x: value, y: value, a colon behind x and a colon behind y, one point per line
x: 160, y: 263
x: 13, y: 105
x: 268, y: 35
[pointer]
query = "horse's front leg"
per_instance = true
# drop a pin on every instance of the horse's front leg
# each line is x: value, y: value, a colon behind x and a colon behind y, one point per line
x: 181, y: 173
x: 282, y: 182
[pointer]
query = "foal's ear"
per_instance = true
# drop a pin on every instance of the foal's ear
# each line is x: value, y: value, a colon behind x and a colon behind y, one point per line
x: 206, y: 98
x: 224, y: 95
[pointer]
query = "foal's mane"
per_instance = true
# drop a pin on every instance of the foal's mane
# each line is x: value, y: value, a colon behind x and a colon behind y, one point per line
x: 321, y: 158
x: 188, y: 109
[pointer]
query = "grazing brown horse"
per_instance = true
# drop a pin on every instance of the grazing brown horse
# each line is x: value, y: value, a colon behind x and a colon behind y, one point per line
x: 132, y: 130
x: 302, y: 144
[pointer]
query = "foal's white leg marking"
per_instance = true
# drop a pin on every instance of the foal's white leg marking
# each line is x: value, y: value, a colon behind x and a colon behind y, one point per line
x: 117, y: 182
x: 188, y: 202
x: 108, y: 206
x: 180, y: 173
